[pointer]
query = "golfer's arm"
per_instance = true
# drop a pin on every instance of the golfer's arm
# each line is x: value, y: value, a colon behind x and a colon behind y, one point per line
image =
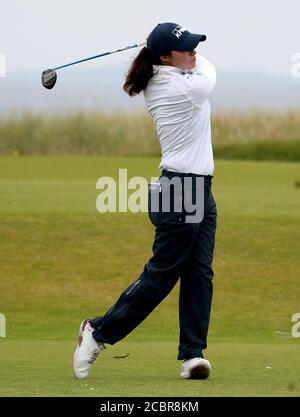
x: 205, y: 69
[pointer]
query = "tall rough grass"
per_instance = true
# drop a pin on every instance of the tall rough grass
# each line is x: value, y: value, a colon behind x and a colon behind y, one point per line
x: 78, y: 134
x: 257, y: 135
x: 253, y: 135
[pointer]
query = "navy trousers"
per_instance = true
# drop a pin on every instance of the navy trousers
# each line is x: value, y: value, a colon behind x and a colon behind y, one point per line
x: 180, y: 250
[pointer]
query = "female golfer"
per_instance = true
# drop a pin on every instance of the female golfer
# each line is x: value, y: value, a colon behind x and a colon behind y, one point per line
x: 176, y: 82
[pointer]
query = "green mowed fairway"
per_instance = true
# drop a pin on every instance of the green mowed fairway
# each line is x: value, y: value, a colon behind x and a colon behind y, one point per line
x: 62, y: 261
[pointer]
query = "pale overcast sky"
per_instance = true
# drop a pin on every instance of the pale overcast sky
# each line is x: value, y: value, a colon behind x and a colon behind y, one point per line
x: 243, y: 35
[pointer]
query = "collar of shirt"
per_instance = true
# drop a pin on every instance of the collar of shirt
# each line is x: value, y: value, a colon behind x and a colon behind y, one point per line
x: 165, y: 71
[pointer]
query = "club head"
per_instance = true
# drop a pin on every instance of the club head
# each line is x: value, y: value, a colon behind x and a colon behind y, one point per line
x: 49, y: 78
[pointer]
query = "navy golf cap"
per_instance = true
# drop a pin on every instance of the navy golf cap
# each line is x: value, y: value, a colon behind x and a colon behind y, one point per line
x: 166, y: 37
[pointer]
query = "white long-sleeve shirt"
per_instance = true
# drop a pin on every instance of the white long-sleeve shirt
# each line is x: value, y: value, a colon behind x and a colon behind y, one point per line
x: 177, y: 101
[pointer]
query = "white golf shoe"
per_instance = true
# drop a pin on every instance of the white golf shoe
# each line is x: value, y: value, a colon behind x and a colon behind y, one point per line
x: 196, y: 368
x: 87, y: 350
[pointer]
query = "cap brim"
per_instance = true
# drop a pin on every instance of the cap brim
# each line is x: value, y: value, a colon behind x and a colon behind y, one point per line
x: 191, y: 42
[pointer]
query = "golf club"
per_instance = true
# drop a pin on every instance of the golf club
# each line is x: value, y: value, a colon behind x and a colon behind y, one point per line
x: 49, y: 76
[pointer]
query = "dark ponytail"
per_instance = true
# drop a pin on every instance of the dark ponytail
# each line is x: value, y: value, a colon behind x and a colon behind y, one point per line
x: 140, y: 72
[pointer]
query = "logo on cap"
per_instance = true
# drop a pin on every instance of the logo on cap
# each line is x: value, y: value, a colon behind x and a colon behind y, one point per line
x: 178, y: 31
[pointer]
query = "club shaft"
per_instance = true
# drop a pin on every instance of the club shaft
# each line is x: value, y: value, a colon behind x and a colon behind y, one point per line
x: 136, y: 45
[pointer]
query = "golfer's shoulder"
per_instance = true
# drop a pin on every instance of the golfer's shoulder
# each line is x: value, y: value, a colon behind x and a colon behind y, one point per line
x: 163, y: 73
x: 165, y: 79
